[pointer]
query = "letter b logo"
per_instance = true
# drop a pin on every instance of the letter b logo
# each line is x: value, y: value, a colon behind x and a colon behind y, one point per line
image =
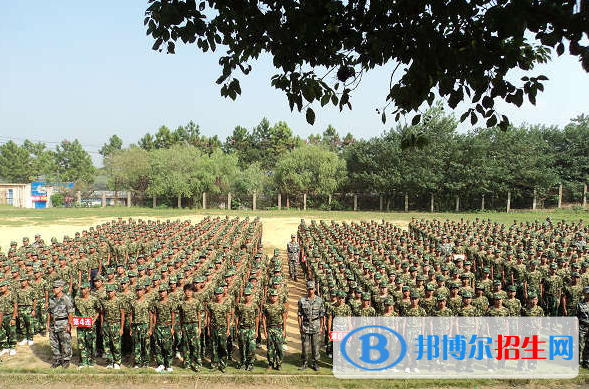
x: 380, y: 346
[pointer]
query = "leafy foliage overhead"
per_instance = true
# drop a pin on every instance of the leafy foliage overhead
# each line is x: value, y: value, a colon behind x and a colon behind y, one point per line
x: 459, y: 50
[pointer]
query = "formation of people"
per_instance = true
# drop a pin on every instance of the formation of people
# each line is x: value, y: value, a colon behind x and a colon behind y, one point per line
x: 154, y: 290
x: 160, y: 291
x: 449, y: 268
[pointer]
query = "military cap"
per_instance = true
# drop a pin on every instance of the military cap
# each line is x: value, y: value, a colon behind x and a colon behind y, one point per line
x: 497, y: 282
x: 441, y: 298
x: 532, y: 295
x: 365, y: 296
x: 110, y: 270
x: 163, y: 287
x: 125, y: 280
x: 24, y: 277
x: 406, y: 288
x: 553, y: 265
x: 132, y: 273
x: 440, y: 277
x: 139, y: 287
x: 4, y: 283
x: 486, y: 270
x: 273, y: 292
x: 497, y: 296
x: 310, y: 285
x: 111, y: 287
x: 467, y: 294
x: 575, y: 274
x: 389, y: 301
x: 58, y: 283
x: 415, y: 294
x: 430, y: 287
x: 219, y: 290
x: 341, y: 293
x: 511, y: 288
x: 98, y: 278
x: 85, y: 285
x: 454, y: 285
x: 247, y: 291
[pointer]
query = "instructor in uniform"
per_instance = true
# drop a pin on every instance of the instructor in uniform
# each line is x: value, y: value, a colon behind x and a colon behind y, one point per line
x: 293, y: 250
x: 60, y: 313
x: 311, y: 313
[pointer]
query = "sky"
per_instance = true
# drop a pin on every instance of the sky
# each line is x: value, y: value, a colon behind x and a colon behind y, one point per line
x: 85, y: 70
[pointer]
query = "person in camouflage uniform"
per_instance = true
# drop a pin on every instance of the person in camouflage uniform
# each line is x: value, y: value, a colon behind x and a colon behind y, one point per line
x: 27, y: 309
x: 532, y: 310
x: 496, y: 325
x: 163, y: 319
x: 551, y: 290
x: 87, y: 306
x: 59, y: 318
x: 218, y: 323
x: 139, y: 317
x: 113, y: 323
x: 8, y: 313
x: 468, y: 327
x: 274, y: 324
x: 41, y: 288
x: 582, y: 311
x: 293, y: 250
x: 247, y: 320
x: 190, y: 320
x: 414, y: 326
x: 311, y: 317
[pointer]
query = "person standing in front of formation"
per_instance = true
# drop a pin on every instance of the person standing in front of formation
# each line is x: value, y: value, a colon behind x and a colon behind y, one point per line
x: 293, y: 250
x: 59, y: 318
x: 311, y: 316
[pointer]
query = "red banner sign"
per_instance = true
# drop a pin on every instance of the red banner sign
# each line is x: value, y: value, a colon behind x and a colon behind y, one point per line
x: 82, y: 321
x: 337, y: 336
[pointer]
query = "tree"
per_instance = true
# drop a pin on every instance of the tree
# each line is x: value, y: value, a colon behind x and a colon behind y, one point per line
x: 170, y: 171
x: 14, y: 163
x: 72, y: 163
x: 114, y: 144
x: 311, y: 169
x: 41, y: 161
x: 459, y: 50
x: 128, y: 169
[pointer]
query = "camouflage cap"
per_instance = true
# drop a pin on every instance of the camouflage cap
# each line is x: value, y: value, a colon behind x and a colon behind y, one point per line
x: 273, y: 292
x: 85, y: 285
x: 365, y: 296
x: 111, y: 287
x: 219, y: 290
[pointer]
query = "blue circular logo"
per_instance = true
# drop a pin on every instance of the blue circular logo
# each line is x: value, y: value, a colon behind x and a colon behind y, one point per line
x: 402, y: 343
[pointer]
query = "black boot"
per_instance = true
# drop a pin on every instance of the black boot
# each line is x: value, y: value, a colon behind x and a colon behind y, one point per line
x: 303, y: 367
x: 56, y: 364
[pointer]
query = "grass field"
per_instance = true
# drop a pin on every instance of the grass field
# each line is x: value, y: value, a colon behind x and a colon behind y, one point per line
x: 30, y: 367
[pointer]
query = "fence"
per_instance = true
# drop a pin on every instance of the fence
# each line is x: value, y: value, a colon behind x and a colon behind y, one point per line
x: 563, y: 196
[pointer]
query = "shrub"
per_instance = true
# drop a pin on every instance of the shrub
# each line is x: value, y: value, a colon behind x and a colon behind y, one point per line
x: 58, y: 199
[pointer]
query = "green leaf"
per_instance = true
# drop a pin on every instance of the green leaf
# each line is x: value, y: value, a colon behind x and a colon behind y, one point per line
x: 473, y: 118
x: 310, y: 116
x: 492, y: 121
x: 415, y: 120
x: 383, y: 117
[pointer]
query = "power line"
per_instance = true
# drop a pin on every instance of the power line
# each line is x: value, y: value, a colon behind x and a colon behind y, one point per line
x: 9, y: 138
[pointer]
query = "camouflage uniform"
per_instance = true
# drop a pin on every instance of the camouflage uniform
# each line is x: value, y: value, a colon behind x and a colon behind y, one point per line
x: 25, y: 298
x: 218, y: 327
x: 583, y: 316
x: 60, y: 339
x: 7, y: 331
x: 111, y: 328
x: 274, y: 324
x: 190, y: 337
x: 86, y: 336
x: 139, y: 309
x: 163, y: 332
x: 293, y: 249
x: 311, y: 311
x: 247, y: 314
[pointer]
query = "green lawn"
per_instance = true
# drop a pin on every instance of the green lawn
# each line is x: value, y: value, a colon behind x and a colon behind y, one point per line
x: 10, y: 216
